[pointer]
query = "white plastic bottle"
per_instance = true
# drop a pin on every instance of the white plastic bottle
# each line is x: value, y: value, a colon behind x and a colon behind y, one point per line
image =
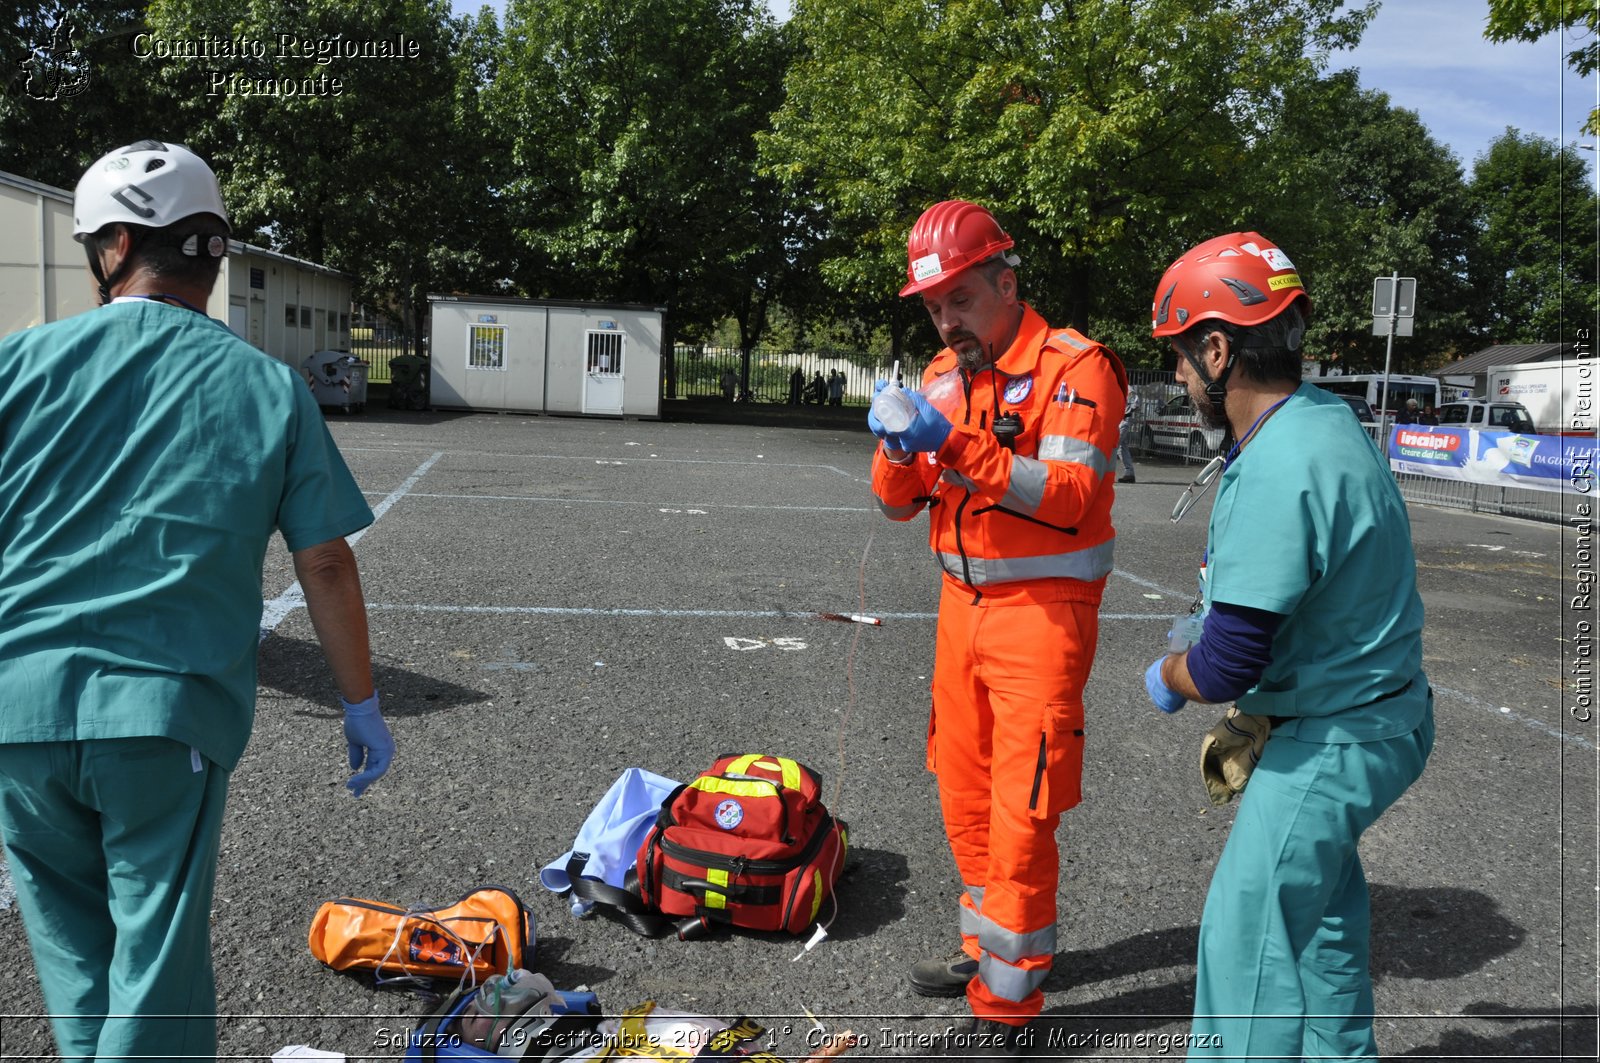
x: 893, y: 407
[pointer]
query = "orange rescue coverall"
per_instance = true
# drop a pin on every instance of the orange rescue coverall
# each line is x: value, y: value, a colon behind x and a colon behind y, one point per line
x: 1024, y: 539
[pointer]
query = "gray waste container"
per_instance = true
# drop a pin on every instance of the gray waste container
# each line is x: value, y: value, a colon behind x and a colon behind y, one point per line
x: 408, y: 382
x: 337, y: 379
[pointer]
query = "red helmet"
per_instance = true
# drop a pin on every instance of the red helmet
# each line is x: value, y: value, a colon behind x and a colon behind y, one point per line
x: 1241, y: 278
x: 949, y: 237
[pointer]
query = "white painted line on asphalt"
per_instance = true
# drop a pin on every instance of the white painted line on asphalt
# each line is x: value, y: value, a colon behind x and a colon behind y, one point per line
x: 274, y: 612
x: 737, y: 614
x: 1511, y: 714
x: 1138, y: 582
x: 592, y: 458
x: 630, y: 502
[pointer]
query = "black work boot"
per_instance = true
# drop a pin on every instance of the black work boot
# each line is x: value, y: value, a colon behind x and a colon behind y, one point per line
x: 943, y: 978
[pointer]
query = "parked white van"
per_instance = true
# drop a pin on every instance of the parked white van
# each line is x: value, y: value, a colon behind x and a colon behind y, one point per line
x: 1496, y: 416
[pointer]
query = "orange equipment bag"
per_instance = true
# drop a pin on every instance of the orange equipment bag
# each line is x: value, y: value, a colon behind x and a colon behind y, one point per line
x: 487, y: 932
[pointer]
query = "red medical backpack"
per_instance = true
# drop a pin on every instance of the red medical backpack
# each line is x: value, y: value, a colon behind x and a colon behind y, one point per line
x: 747, y: 843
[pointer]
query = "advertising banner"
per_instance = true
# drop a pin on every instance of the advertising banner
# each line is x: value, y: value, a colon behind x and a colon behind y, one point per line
x: 1495, y: 459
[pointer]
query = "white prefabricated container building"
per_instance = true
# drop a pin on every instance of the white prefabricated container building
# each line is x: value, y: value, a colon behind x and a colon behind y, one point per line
x: 286, y: 306
x: 545, y: 356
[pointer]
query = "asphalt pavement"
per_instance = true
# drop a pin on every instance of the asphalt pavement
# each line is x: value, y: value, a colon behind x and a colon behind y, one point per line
x: 554, y: 600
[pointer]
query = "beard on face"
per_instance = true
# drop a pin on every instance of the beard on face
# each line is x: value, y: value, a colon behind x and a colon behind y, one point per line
x: 1209, y: 414
x: 969, y: 350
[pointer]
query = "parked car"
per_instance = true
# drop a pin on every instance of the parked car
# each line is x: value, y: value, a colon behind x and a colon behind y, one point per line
x: 1175, y: 427
x: 1361, y: 408
x: 1494, y: 415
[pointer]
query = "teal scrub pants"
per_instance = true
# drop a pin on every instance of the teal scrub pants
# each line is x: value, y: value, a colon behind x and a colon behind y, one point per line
x: 1282, y: 973
x: 113, y: 849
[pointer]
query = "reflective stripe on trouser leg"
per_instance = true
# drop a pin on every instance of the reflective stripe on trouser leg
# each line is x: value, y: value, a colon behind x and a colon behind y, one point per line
x: 1008, y: 685
x: 971, y: 921
x: 1285, y: 929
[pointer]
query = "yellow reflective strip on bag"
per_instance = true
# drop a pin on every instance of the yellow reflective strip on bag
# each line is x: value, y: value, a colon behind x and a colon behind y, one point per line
x: 816, y: 894
x: 714, y: 900
x: 717, y: 876
x: 791, y: 772
x: 720, y: 878
x: 789, y: 768
x: 735, y: 787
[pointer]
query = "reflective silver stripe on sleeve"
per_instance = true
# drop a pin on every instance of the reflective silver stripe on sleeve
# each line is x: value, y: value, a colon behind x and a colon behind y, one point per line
x: 1073, y: 449
x: 976, y: 893
x: 1066, y: 337
x: 950, y: 476
x: 1010, y: 946
x: 898, y: 512
x: 1088, y: 564
x: 1026, y: 490
x: 971, y: 922
x: 1008, y: 982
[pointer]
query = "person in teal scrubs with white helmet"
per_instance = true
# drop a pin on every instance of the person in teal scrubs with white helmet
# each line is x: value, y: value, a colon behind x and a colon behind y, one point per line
x: 1310, y: 618
x: 147, y: 454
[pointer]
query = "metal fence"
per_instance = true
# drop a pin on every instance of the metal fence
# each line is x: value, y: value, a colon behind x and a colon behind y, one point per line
x: 1162, y: 426
x: 377, y: 346
x: 714, y: 372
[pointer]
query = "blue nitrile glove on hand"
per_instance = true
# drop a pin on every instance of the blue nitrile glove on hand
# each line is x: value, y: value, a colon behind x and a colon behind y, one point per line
x: 874, y: 425
x: 891, y: 440
x: 1165, y: 699
x: 370, y: 743
x: 929, y: 429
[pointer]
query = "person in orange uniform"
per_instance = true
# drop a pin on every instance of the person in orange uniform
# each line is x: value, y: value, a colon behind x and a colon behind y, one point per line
x: 1013, y: 462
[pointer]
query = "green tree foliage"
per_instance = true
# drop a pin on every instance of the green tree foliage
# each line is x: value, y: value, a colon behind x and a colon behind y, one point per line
x: 387, y: 175
x: 633, y: 154
x: 1355, y: 188
x: 1105, y: 134
x: 1536, y: 266
x: 1529, y: 20
x: 73, y: 88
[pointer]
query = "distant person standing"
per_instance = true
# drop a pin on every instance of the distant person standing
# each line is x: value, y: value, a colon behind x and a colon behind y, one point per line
x: 1126, y: 430
x: 729, y: 384
x: 797, y: 386
x: 147, y: 455
x: 819, y: 389
x: 835, y: 388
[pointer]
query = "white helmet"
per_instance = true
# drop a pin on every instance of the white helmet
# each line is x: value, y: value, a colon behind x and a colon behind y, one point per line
x: 149, y: 183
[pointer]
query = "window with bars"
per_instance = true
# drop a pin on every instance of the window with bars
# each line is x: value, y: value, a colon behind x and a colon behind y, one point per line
x: 605, y: 352
x: 486, y: 347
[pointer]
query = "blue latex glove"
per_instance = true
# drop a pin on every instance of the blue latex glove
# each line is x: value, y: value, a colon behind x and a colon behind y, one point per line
x: 928, y: 431
x: 891, y: 440
x: 1165, y: 699
x: 369, y: 741
x: 874, y: 425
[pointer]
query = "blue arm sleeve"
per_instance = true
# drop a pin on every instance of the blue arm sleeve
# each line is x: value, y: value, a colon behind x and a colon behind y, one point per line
x: 1234, y: 649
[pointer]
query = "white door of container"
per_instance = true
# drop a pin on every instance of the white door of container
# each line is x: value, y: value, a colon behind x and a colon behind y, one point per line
x: 603, y: 372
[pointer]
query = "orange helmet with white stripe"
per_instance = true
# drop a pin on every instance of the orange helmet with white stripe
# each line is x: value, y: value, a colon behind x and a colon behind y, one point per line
x: 1241, y: 278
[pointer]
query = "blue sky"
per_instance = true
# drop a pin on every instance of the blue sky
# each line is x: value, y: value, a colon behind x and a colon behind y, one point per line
x: 1431, y: 58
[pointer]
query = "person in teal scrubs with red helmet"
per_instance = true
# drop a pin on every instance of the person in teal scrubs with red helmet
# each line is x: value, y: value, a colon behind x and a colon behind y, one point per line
x: 1311, y: 618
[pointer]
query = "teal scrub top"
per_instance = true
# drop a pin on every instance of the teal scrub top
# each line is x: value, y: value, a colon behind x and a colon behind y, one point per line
x: 1308, y: 523
x: 146, y: 456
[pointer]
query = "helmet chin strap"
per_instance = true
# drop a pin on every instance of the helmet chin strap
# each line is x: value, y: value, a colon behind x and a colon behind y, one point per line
x: 1216, y: 390
x: 92, y: 249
